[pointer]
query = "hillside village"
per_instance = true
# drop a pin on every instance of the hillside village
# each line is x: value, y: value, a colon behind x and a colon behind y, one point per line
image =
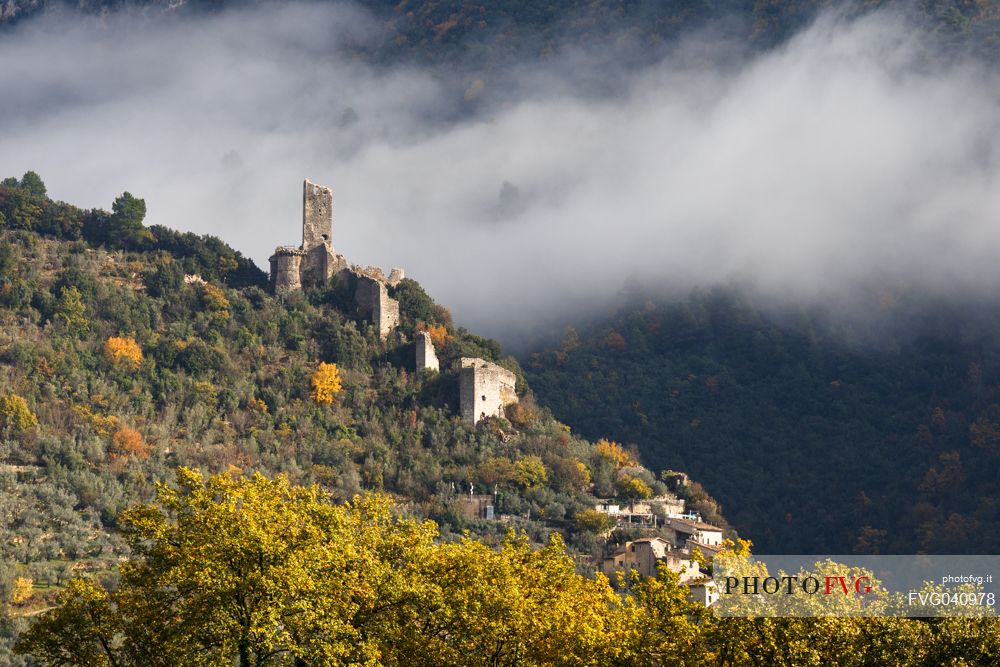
x: 678, y: 538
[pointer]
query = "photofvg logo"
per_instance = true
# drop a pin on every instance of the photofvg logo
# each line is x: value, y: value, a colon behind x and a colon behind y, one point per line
x: 792, y: 585
x: 802, y: 586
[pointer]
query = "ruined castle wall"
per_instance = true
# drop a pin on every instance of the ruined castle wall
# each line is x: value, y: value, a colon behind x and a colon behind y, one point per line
x: 385, y: 314
x: 365, y: 294
x: 374, y: 301
x: 396, y: 276
x: 426, y: 356
x: 484, y: 389
x: 317, y: 216
x: 317, y: 264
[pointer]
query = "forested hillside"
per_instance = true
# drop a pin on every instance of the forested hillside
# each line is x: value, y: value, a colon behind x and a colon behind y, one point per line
x: 817, y: 434
x: 128, y: 351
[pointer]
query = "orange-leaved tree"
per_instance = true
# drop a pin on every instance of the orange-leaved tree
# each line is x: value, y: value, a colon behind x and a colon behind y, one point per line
x: 130, y: 442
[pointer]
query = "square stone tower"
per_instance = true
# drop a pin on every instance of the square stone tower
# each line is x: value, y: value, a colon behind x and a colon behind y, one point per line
x: 484, y: 389
x: 317, y: 216
x: 317, y: 234
x: 372, y: 297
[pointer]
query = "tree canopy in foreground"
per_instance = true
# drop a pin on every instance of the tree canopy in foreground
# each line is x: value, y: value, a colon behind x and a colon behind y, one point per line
x: 264, y: 572
x: 255, y: 571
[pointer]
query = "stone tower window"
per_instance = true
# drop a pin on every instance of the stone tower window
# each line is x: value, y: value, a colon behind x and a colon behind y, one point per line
x: 484, y: 397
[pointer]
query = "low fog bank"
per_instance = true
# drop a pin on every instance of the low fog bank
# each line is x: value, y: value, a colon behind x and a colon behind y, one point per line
x: 845, y: 154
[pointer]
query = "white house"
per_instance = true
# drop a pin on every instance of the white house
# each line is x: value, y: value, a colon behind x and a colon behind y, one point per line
x: 686, y: 533
x: 703, y: 590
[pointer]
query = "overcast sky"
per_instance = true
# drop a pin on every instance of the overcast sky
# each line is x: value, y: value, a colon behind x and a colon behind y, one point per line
x: 801, y: 170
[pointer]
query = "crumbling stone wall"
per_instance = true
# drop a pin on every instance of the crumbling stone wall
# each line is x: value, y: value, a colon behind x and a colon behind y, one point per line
x: 396, y: 276
x: 426, y: 356
x: 373, y: 272
x: 372, y: 297
x: 484, y: 389
x: 385, y: 313
x: 364, y: 293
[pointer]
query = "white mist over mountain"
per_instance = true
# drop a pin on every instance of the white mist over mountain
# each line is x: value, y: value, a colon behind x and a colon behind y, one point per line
x: 844, y: 154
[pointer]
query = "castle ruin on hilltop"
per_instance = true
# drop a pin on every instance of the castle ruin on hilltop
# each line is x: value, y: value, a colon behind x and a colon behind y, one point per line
x: 314, y: 263
x: 485, y: 388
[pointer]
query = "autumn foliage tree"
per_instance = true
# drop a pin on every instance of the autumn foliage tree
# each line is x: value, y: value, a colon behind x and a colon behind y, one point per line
x: 70, y: 311
x: 325, y: 383
x: 254, y: 571
x: 21, y: 590
x: 123, y: 351
x: 530, y: 472
x: 593, y: 521
x: 615, y: 454
x: 438, y: 334
x: 129, y: 442
x: 634, y: 488
x: 251, y: 571
x: 15, y: 414
x: 215, y: 301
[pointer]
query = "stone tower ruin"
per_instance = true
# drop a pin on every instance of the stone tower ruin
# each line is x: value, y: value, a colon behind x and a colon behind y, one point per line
x: 372, y: 297
x: 484, y: 389
x: 314, y: 262
x: 426, y: 356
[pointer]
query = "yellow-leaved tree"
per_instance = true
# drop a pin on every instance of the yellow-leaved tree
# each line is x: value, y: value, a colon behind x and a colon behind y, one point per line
x: 615, y: 454
x: 512, y: 606
x: 70, y: 312
x: 634, y: 488
x: 15, y: 413
x: 530, y: 472
x: 123, y: 351
x: 231, y: 570
x: 21, y: 590
x: 325, y: 383
x: 215, y: 301
x: 247, y: 571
